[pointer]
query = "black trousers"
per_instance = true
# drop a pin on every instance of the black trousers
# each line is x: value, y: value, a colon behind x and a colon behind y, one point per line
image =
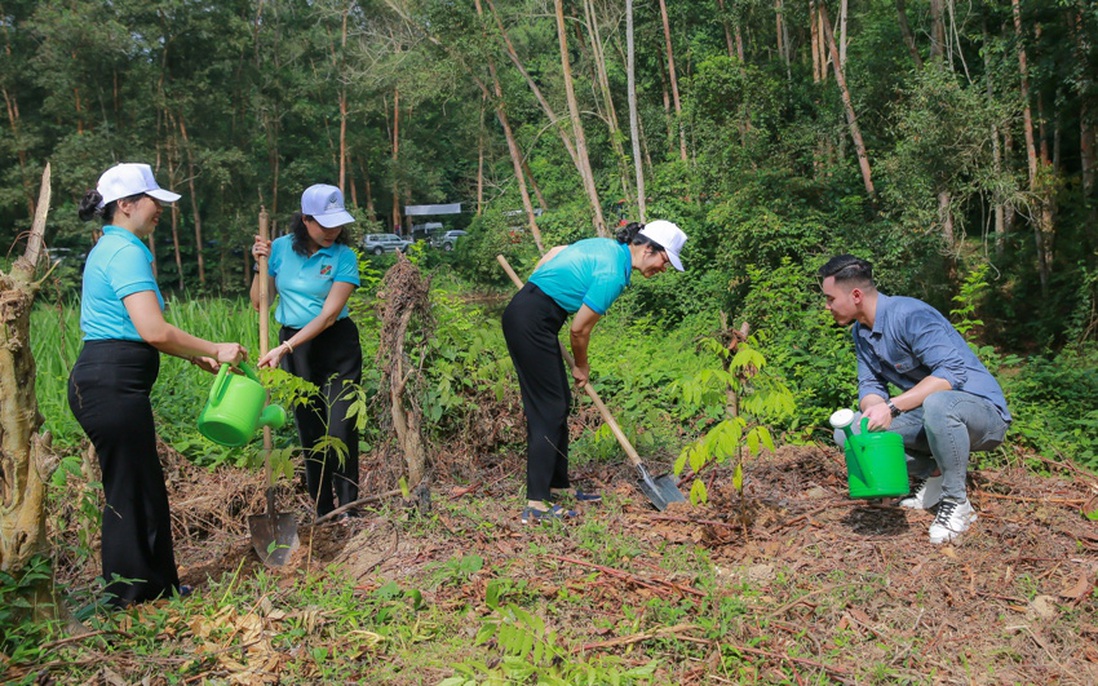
x: 332, y: 361
x: 109, y: 394
x: 531, y: 324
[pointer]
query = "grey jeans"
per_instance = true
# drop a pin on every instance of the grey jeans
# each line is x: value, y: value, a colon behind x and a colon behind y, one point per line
x: 942, y: 433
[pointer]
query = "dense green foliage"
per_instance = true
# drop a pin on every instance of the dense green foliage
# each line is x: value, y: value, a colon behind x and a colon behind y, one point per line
x: 242, y: 104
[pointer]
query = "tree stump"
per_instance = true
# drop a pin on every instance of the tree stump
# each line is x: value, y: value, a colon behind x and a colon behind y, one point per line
x: 26, y: 460
x: 405, y: 304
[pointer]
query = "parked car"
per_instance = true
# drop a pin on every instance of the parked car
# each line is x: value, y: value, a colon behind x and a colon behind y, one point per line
x: 447, y: 240
x: 377, y: 243
x: 424, y: 231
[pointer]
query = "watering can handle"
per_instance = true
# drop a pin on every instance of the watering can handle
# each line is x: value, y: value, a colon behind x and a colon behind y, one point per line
x: 217, y: 389
x: 865, y: 425
x: 247, y: 367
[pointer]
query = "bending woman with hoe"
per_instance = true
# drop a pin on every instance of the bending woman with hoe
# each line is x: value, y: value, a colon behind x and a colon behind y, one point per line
x: 121, y: 314
x: 314, y: 273
x: 582, y: 278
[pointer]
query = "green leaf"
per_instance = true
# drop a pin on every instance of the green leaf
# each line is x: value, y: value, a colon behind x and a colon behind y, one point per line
x: 699, y: 495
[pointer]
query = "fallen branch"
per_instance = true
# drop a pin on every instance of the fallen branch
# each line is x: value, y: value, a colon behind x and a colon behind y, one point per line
x: 655, y: 584
x: 690, y: 520
x: 679, y: 628
x: 808, y: 514
x: 1029, y: 499
x: 354, y: 503
x: 657, y: 632
x: 789, y: 606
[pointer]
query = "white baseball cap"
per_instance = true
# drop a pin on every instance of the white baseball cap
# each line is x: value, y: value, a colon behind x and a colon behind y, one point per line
x: 324, y: 203
x: 129, y: 178
x: 669, y: 236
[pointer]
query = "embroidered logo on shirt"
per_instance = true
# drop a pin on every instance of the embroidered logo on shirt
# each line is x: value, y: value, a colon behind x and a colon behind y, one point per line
x: 326, y: 270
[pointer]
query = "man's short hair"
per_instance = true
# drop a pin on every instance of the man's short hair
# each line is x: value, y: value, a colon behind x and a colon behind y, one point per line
x: 848, y: 269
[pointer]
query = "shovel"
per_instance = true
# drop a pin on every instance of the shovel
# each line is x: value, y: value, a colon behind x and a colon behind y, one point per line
x: 274, y: 534
x: 662, y: 491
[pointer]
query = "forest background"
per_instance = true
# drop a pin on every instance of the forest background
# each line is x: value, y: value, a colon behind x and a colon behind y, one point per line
x: 941, y: 140
x: 953, y: 144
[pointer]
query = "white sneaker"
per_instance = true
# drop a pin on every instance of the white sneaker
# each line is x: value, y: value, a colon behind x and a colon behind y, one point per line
x: 925, y: 495
x: 952, y: 520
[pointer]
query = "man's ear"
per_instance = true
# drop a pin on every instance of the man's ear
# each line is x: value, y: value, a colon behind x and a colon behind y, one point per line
x: 857, y: 295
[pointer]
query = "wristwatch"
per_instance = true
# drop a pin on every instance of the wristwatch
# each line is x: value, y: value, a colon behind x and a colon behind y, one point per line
x: 896, y: 412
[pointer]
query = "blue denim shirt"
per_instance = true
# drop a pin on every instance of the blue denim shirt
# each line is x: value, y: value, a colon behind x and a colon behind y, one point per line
x: 910, y: 341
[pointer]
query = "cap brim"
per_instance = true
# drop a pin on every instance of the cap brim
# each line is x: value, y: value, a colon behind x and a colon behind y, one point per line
x: 163, y: 195
x: 334, y: 220
x: 675, y: 261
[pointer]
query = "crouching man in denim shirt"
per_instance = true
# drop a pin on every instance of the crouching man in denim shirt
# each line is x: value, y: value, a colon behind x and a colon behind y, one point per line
x: 948, y: 405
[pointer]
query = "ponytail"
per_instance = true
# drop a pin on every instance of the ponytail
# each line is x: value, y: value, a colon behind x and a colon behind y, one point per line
x: 628, y: 233
x: 89, y: 206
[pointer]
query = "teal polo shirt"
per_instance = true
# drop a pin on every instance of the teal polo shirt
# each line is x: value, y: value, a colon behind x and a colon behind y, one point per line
x: 304, y: 282
x: 119, y: 265
x: 590, y: 272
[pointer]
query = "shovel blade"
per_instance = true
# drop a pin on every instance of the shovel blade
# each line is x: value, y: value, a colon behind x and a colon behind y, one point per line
x: 274, y: 537
x: 661, y: 491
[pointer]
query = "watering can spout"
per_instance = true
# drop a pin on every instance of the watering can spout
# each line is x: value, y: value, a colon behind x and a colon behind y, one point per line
x: 273, y: 416
x: 842, y: 420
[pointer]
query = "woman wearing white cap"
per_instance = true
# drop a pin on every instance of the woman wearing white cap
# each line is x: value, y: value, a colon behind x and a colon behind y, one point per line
x: 314, y: 272
x: 121, y: 315
x: 582, y: 278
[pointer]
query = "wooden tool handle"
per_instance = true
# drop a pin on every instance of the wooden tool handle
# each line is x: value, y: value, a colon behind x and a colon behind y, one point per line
x: 264, y: 346
x: 630, y: 451
x: 264, y: 288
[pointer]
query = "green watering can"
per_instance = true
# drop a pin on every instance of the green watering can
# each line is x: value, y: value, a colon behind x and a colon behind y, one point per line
x: 237, y: 407
x: 875, y: 462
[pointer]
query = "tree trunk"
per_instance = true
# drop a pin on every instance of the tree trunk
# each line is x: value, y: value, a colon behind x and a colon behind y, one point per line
x: 937, y: 31
x: 607, y: 97
x: 997, y: 207
x: 1040, y: 231
x: 371, y: 212
x: 945, y: 217
x: 1087, y: 129
x: 395, y: 158
x: 724, y: 24
x: 26, y: 458
x: 905, y: 31
x: 197, y: 216
x: 480, y: 161
x: 343, y: 108
x: 634, y: 127
x: 587, y: 175
x: 674, y: 79
x: 534, y: 185
x: 545, y: 106
x: 848, y: 105
x: 814, y: 41
x: 783, y: 37
x: 172, y: 155
x: 12, y: 107
x: 844, y: 14
x: 1087, y: 140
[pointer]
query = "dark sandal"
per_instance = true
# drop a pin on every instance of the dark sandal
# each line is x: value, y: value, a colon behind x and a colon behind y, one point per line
x: 555, y: 513
x: 582, y: 497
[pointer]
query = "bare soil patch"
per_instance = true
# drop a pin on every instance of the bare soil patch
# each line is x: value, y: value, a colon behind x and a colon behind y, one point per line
x: 831, y: 590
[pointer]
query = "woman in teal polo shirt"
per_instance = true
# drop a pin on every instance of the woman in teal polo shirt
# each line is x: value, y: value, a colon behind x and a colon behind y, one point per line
x: 314, y: 272
x: 121, y: 314
x: 582, y: 278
